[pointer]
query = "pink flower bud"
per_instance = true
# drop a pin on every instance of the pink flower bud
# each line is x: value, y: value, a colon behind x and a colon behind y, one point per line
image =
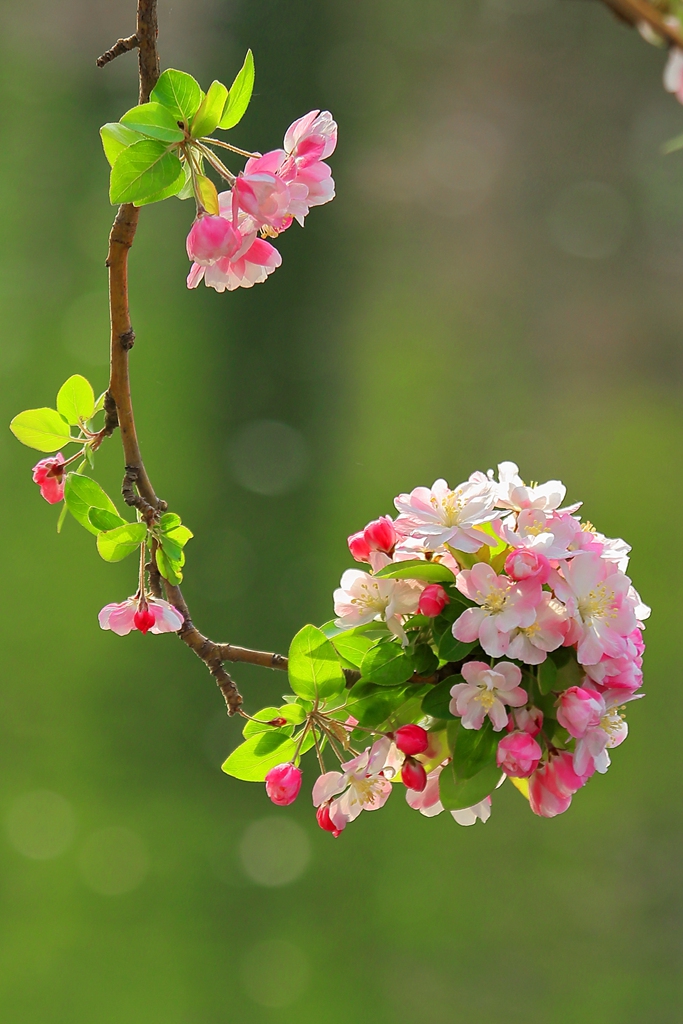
x: 212, y: 238
x: 143, y: 620
x: 552, y: 786
x: 325, y: 821
x: 359, y: 547
x: 413, y: 775
x: 524, y: 564
x: 411, y: 739
x: 529, y: 720
x: 277, y: 721
x: 433, y: 600
x: 283, y: 784
x: 49, y: 476
x: 518, y: 755
x: 579, y: 710
x: 381, y: 535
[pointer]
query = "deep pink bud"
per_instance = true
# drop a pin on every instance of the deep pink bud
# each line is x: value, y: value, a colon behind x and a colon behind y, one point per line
x: 579, y: 710
x: 381, y: 535
x: 277, y: 721
x: 283, y: 784
x: 143, y: 619
x: 433, y: 600
x: 211, y: 238
x: 529, y: 720
x: 518, y: 755
x: 49, y: 475
x: 523, y: 564
x: 411, y: 739
x: 552, y: 786
x: 324, y: 820
x: 413, y: 775
x: 359, y: 547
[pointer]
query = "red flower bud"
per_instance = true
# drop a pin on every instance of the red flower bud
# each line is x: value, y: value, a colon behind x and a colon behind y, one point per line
x: 413, y: 775
x: 324, y: 820
x: 359, y: 547
x: 277, y: 721
x: 283, y: 784
x: 381, y: 535
x: 143, y: 619
x: 411, y: 739
x: 433, y: 600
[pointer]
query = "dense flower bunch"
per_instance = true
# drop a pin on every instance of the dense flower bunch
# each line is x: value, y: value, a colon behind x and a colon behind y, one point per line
x: 491, y: 633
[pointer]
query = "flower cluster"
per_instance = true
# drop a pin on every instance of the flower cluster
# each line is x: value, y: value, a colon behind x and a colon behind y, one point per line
x: 491, y: 634
x: 271, y: 193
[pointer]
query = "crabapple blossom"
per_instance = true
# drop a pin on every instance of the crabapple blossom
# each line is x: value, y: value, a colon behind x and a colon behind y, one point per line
x: 528, y: 719
x: 212, y: 238
x: 122, y: 618
x: 610, y: 730
x: 504, y: 605
x: 378, y: 538
x: 413, y: 775
x: 522, y: 564
x: 325, y: 821
x: 49, y: 476
x: 514, y: 494
x: 361, y: 598
x: 486, y: 691
x: 547, y: 534
x: 471, y: 815
x: 359, y: 547
x: 673, y: 73
x: 143, y: 619
x: 547, y: 632
x: 266, y: 197
x: 443, y: 516
x: 411, y: 739
x: 427, y: 802
x: 362, y: 785
x: 552, y: 786
x: 579, y: 709
x: 283, y: 784
x: 518, y: 754
x: 312, y: 137
x: 433, y: 600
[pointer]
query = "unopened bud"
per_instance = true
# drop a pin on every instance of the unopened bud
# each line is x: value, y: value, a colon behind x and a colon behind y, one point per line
x: 325, y: 821
x: 413, y: 775
x: 381, y: 535
x: 433, y: 600
x: 277, y: 722
x: 143, y: 619
x: 359, y: 547
x: 411, y: 739
x: 283, y: 784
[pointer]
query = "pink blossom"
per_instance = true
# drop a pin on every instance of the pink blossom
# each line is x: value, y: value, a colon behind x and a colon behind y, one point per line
x: 411, y: 739
x: 362, y: 598
x: 673, y: 73
x: 443, y: 516
x: 486, y: 691
x: 427, y: 802
x: 359, y: 547
x: 528, y: 719
x: 599, y: 604
x: 518, y: 754
x: 381, y: 535
x: 546, y: 533
x: 522, y: 564
x: 478, y: 812
x: 579, y: 709
x: 504, y: 606
x: 547, y: 632
x: 433, y: 600
x: 362, y: 784
x: 121, y: 618
x: 512, y: 492
x: 49, y: 476
x: 212, y: 238
x: 264, y: 195
x: 552, y: 786
x: 312, y: 137
x: 283, y: 784
x: 601, y: 735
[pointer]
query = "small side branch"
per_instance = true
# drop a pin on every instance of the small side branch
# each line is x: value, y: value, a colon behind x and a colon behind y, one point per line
x: 119, y: 47
x: 635, y: 12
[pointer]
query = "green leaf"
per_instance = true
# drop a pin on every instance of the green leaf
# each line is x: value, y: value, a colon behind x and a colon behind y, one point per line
x: 155, y: 120
x: 451, y: 649
x: 170, y: 569
x: 568, y: 674
x: 81, y: 494
x: 673, y: 145
x: 547, y: 675
x: 387, y: 664
x: 207, y: 194
x: 352, y: 648
x: 425, y: 660
x: 239, y: 94
x: 103, y: 520
x: 314, y: 668
x: 173, y: 541
x: 187, y: 188
x: 179, y: 535
x: 416, y: 569
x: 169, y: 521
x: 473, y: 749
x: 179, y: 93
x: 210, y: 111
x: 62, y: 517
x: 437, y: 700
x: 76, y: 400
x: 145, y: 168
x: 294, y: 714
x: 115, y: 138
x: 121, y: 542
x: 44, y: 429
x: 165, y: 193
x: 372, y: 704
x: 456, y: 793
x: 254, y: 758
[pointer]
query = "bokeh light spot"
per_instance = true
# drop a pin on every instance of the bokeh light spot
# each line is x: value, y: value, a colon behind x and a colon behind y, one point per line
x: 268, y: 457
x: 274, y: 851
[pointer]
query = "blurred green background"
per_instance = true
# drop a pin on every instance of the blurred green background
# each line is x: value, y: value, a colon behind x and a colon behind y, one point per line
x: 498, y: 278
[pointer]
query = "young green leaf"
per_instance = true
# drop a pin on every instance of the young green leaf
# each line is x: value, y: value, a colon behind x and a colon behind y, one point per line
x: 115, y: 138
x: 314, y: 668
x: 169, y: 569
x: 426, y: 661
x: 187, y: 188
x: 472, y: 749
x: 165, y: 193
x: 154, y: 120
x: 207, y: 194
x: 387, y: 664
x: 121, y: 542
x: 254, y: 758
x: 456, y: 793
x: 179, y: 92
x: 293, y: 713
x: 436, y: 701
x: 102, y: 519
x: 239, y: 94
x: 210, y: 111
x: 44, y: 429
x: 169, y: 521
x: 352, y: 648
x: 451, y: 649
x: 142, y: 170
x: 371, y: 704
x: 81, y: 494
x: 76, y: 400
x: 416, y: 569
x: 547, y: 675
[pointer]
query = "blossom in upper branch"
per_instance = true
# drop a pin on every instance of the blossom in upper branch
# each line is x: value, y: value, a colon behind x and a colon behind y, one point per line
x: 600, y: 605
x: 518, y: 754
x: 379, y: 536
x: 673, y: 73
x: 283, y: 784
x: 361, y: 598
x: 623, y: 673
x: 486, y: 691
x: 212, y: 238
x: 547, y: 534
x: 151, y: 614
x: 514, y: 494
x: 552, y: 786
x: 433, y: 600
x: 612, y: 549
x: 596, y: 724
x: 49, y: 475
x: 362, y: 784
x: 505, y: 605
x: 266, y: 197
x: 528, y: 719
x: 579, y: 710
x: 547, y: 632
x: 443, y: 516
x: 312, y: 137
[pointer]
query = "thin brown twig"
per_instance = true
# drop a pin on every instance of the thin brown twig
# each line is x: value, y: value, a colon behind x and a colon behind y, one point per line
x: 119, y: 47
x: 635, y: 12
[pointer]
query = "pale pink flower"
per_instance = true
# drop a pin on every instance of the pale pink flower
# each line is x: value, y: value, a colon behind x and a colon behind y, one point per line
x: 528, y: 719
x: 443, y: 516
x: 478, y: 812
x: 673, y: 73
x: 433, y: 600
x: 522, y: 564
x: 427, y: 802
x: 552, y: 786
x: 362, y: 598
x: 623, y: 672
x: 546, y: 533
x: 362, y: 784
x: 518, y: 755
x: 49, y: 475
x: 599, y: 604
x: 514, y: 494
x: 312, y: 137
x: 547, y: 632
x: 612, y: 549
x: 504, y: 606
x: 212, y: 238
x: 610, y: 730
x: 486, y: 691
x: 579, y: 710
x: 415, y: 547
x: 283, y: 784
x: 121, y: 617
x: 266, y: 197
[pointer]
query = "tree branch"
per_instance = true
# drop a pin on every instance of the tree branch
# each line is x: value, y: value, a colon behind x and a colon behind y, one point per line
x: 119, y: 47
x: 637, y: 11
